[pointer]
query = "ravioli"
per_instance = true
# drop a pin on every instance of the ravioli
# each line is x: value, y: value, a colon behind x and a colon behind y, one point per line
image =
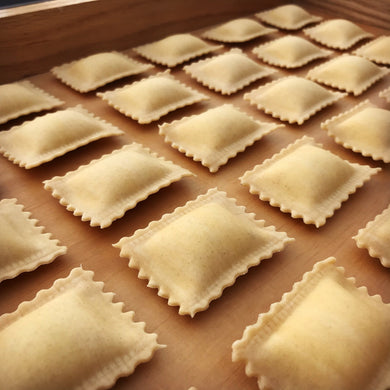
x: 151, y: 98
x: 218, y: 242
x: 325, y: 333
x: 105, y: 189
x: 376, y: 50
x: 91, y: 72
x: 71, y: 336
x: 385, y: 94
x: 23, y: 245
x: 22, y: 98
x: 306, y: 181
x: 47, y: 137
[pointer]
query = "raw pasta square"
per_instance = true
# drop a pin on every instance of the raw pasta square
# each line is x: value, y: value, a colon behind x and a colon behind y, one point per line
x: 215, y: 135
x: 289, y: 51
x: 385, y: 94
x: 288, y: 17
x: 91, y: 72
x: 23, y: 245
x: 324, y: 334
x: 227, y: 73
x: 337, y: 33
x: 348, y: 73
x: 71, y: 336
x: 365, y: 129
x: 175, y: 49
x: 237, y: 30
x: 306, y: 181
x: 375, y: 237
x: 218, y: 242
x: 105, y: 189
x: 22, y: 98
x: 376, y: 50
x: 292, y: 99
x: 151, y: 98
x: 47, y: 137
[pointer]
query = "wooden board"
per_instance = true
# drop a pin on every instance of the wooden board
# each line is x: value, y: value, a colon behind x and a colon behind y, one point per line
x: 198, y: 350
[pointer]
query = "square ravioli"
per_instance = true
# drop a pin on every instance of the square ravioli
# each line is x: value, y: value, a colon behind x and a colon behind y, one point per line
x: 385, y: 94
x: 91, y: 72
x: 175, y: 49
x: 288, y: 17
x: 348, y: 73
x: 237, y: 30
x: 23, y: 245
x: 71, y: 337
x: 22, y: 98
x: 292, y: 99
x: 105, y: 189
x: 289, y: 52
x: 151, y: 98
x: 324, y: 334
x: 375, y: 237
x: 364, y: 129
x: 47, y: 137
x: 376, y: 50
x: 218, y: 242
x: 337, y: 33
x: 306, y: 181
x: 215, y: 135
x: 227, y: 73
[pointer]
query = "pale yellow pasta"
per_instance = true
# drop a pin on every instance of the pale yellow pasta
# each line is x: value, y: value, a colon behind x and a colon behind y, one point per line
x: 151, y: 98
x: 175, y: 49
x: 89, y: 73
x: 105, y: 189
x: 348, y: 73
x: 337, y: 33
x: 71, y: 337
x: 289, y: 51
x: 385, y: 94
x: 375, y: 237
x: 376, y: 50
x: 23, y: 245
x: 237, y: 30
x: 22, y: 98
x: 215, y: 135
x: 227, y: 73
x: 324, y: 334
x: 292, y: 99
x: 47, y: 137
x: 306, y: 181
x: 364, y: 129
x: 288, y: 17
x: 218, y: 242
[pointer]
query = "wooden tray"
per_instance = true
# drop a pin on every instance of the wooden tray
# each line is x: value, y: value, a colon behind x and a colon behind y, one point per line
x: 198, y: 350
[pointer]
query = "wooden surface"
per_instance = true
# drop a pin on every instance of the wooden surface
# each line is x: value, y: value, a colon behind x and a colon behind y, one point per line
x: 198, y: 350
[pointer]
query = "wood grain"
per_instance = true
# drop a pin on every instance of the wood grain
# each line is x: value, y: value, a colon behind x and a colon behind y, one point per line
x: 198, y: 350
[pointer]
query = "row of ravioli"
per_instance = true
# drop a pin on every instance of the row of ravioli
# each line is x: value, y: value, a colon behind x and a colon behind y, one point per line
x: 194, y: 217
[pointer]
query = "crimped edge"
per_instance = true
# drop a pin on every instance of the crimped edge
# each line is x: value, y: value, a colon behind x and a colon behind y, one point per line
x: 61, y: 73
x: 215, y: 36
x: 311, y: 75
x: 362, y: 51
x: 333, y: 203
x: 118, y: 210
x: 219, y: 157
x: 329, y: 124
x: 120, y: 366
x: 321, y: 53
x: 144, y: 51
x: 193, y: 71
x: 379, y: 220
x: 194, y: 98
x: 216, y: 289
x: 107, y: 130
x: 335, y: 95
x: 50, y: 103
x: 37, y: 259
x: 385, y: 94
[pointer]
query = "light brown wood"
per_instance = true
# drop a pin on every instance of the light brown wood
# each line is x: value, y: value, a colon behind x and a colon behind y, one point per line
x: 198, y: 350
